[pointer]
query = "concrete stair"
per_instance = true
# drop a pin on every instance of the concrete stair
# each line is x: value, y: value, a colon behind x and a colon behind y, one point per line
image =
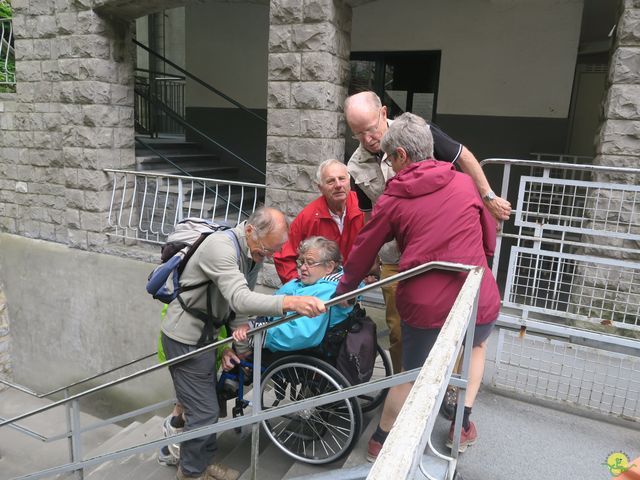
x: 189, y: 156
x: 21, y: 454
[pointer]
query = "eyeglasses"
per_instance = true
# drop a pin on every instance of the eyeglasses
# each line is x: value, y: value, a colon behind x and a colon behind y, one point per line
x: 387, y: 159
x: 369, y: 131
x: 268, y: 252
x: 308, y: 263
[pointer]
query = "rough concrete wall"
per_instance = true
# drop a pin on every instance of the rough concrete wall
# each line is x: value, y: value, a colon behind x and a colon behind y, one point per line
x: 5, y: 356
x: 75, y: 313
x: 7, y: 108
x: 73, y: 116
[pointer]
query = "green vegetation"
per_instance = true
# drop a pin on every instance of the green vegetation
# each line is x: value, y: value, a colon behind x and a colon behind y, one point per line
x: 5, y: 8
x: 8, y: 74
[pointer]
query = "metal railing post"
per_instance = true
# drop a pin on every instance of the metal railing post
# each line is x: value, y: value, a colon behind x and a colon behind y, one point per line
x: 72, y: 411
x: 257, y: 403
x: 462, y: 390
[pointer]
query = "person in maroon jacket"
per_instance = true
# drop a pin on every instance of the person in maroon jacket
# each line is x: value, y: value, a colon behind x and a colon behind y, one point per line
x: 334, y: 215
x: 435, y: 214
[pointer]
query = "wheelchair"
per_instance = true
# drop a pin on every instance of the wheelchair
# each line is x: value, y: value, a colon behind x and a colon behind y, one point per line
x: 315, y: 435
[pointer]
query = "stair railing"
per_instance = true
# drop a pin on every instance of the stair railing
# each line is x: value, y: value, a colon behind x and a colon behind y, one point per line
x: 7, y: 53
x: 200, y: 81
x: 170, y: 90
x: 449, y: 343
x: 156, y: 102
x: 146, y: 206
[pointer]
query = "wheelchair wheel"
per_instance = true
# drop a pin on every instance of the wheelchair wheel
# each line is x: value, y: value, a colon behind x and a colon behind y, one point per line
x: 315, y: 435
x: 382, y: 369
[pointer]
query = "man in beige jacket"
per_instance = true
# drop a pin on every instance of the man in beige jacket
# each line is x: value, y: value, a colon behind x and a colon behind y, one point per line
x: 227, y: 267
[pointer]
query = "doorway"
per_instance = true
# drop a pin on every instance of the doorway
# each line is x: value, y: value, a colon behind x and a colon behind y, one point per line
x: 404, y: 81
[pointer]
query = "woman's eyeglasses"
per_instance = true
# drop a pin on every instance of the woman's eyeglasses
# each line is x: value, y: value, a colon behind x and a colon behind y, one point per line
x: 308, y: 263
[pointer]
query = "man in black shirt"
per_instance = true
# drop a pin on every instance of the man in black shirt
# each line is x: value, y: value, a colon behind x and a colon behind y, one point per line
x: 367, y: 119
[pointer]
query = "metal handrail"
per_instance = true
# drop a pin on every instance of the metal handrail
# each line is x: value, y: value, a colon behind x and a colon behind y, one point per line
x: 448, y: 266
x: 196, y: 179
x: 9, y: 79
x: 78, y: 463
x: 200, y: 81
x: 178, y: 167
x: 167, y: 76
x: 78, y: 382
x: 178, y: 118
x: 561, y: 166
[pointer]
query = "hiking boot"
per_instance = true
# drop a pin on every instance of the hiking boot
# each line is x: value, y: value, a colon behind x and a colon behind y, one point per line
x: 166, y: 458
x: 373, y: 450
x: 467, y: 437
x: 218, y: 471
x: 448, y: 407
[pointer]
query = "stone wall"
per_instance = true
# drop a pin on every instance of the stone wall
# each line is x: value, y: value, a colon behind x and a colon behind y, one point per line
x: 72, y: 117
x: 616, y: 290
x: 308, y: 67
x: 618, y: 142
x: 309, y: 44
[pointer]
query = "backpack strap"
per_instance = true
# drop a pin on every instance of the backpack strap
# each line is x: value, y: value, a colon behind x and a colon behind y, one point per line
x: 211, y: 323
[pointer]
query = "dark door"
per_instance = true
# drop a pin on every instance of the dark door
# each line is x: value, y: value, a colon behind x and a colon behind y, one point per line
x: 405, y: 81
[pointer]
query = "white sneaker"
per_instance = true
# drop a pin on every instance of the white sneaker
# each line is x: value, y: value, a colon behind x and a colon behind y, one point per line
x: 166, y: 458
x: 168, y: 430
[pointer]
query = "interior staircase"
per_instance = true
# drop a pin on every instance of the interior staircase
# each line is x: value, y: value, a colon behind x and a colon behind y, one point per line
x: 189, y: 156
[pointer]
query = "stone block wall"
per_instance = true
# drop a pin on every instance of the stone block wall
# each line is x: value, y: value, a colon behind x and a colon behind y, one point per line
x: 308, y: 66
x: 71, y: 116
x: 617, y: 144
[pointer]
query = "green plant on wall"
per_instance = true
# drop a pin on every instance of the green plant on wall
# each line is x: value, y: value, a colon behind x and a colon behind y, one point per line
x: 5, y: 9
x: 7, y: 59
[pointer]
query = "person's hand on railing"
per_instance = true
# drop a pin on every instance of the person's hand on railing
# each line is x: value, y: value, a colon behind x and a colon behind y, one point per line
x: 229, y: 359
x: 499, y: 208
x: 304, y: 305
x: 240, y: 333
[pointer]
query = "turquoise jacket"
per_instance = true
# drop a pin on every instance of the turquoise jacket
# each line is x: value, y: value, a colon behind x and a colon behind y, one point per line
x: 305, y: 332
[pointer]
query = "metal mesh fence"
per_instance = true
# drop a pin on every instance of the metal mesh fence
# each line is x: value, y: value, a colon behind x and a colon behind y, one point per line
x: 549, y: 369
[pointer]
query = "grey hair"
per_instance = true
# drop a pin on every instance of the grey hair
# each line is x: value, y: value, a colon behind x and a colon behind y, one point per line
x: 371, y: 100
x: 412, y: 133
x: 327, y: 164
x: 265, y: 220
x: 327, y: 249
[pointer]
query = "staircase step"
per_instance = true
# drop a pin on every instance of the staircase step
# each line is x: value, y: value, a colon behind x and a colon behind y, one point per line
x: 273, y: 463
x: 239, y: 457
x: 21, y: 454
x: 355, y: 457
x: 122, y: 467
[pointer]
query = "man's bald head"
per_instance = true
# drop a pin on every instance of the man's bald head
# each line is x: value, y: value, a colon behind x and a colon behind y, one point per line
x: 361, y: 102
x: 367, y: 119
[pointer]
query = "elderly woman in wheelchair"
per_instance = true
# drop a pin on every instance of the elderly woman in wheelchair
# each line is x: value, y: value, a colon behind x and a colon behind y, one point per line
x: 300, y: 363
x: 319, y: 270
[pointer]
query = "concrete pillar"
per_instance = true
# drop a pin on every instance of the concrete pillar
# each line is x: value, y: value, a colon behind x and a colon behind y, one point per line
x: 618, y: 142
x: 308, y: 67
x: 73, y: 117
x: 613, y: 289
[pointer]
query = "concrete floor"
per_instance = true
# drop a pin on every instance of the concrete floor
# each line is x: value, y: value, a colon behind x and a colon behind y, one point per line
x: 527, y: 441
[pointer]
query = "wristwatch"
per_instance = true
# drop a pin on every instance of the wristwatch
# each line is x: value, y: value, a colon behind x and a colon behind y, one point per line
x: 489, y: 196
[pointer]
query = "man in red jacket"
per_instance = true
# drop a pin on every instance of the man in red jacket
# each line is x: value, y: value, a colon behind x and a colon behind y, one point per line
x: 334, y: 215
x: 435, y: 214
